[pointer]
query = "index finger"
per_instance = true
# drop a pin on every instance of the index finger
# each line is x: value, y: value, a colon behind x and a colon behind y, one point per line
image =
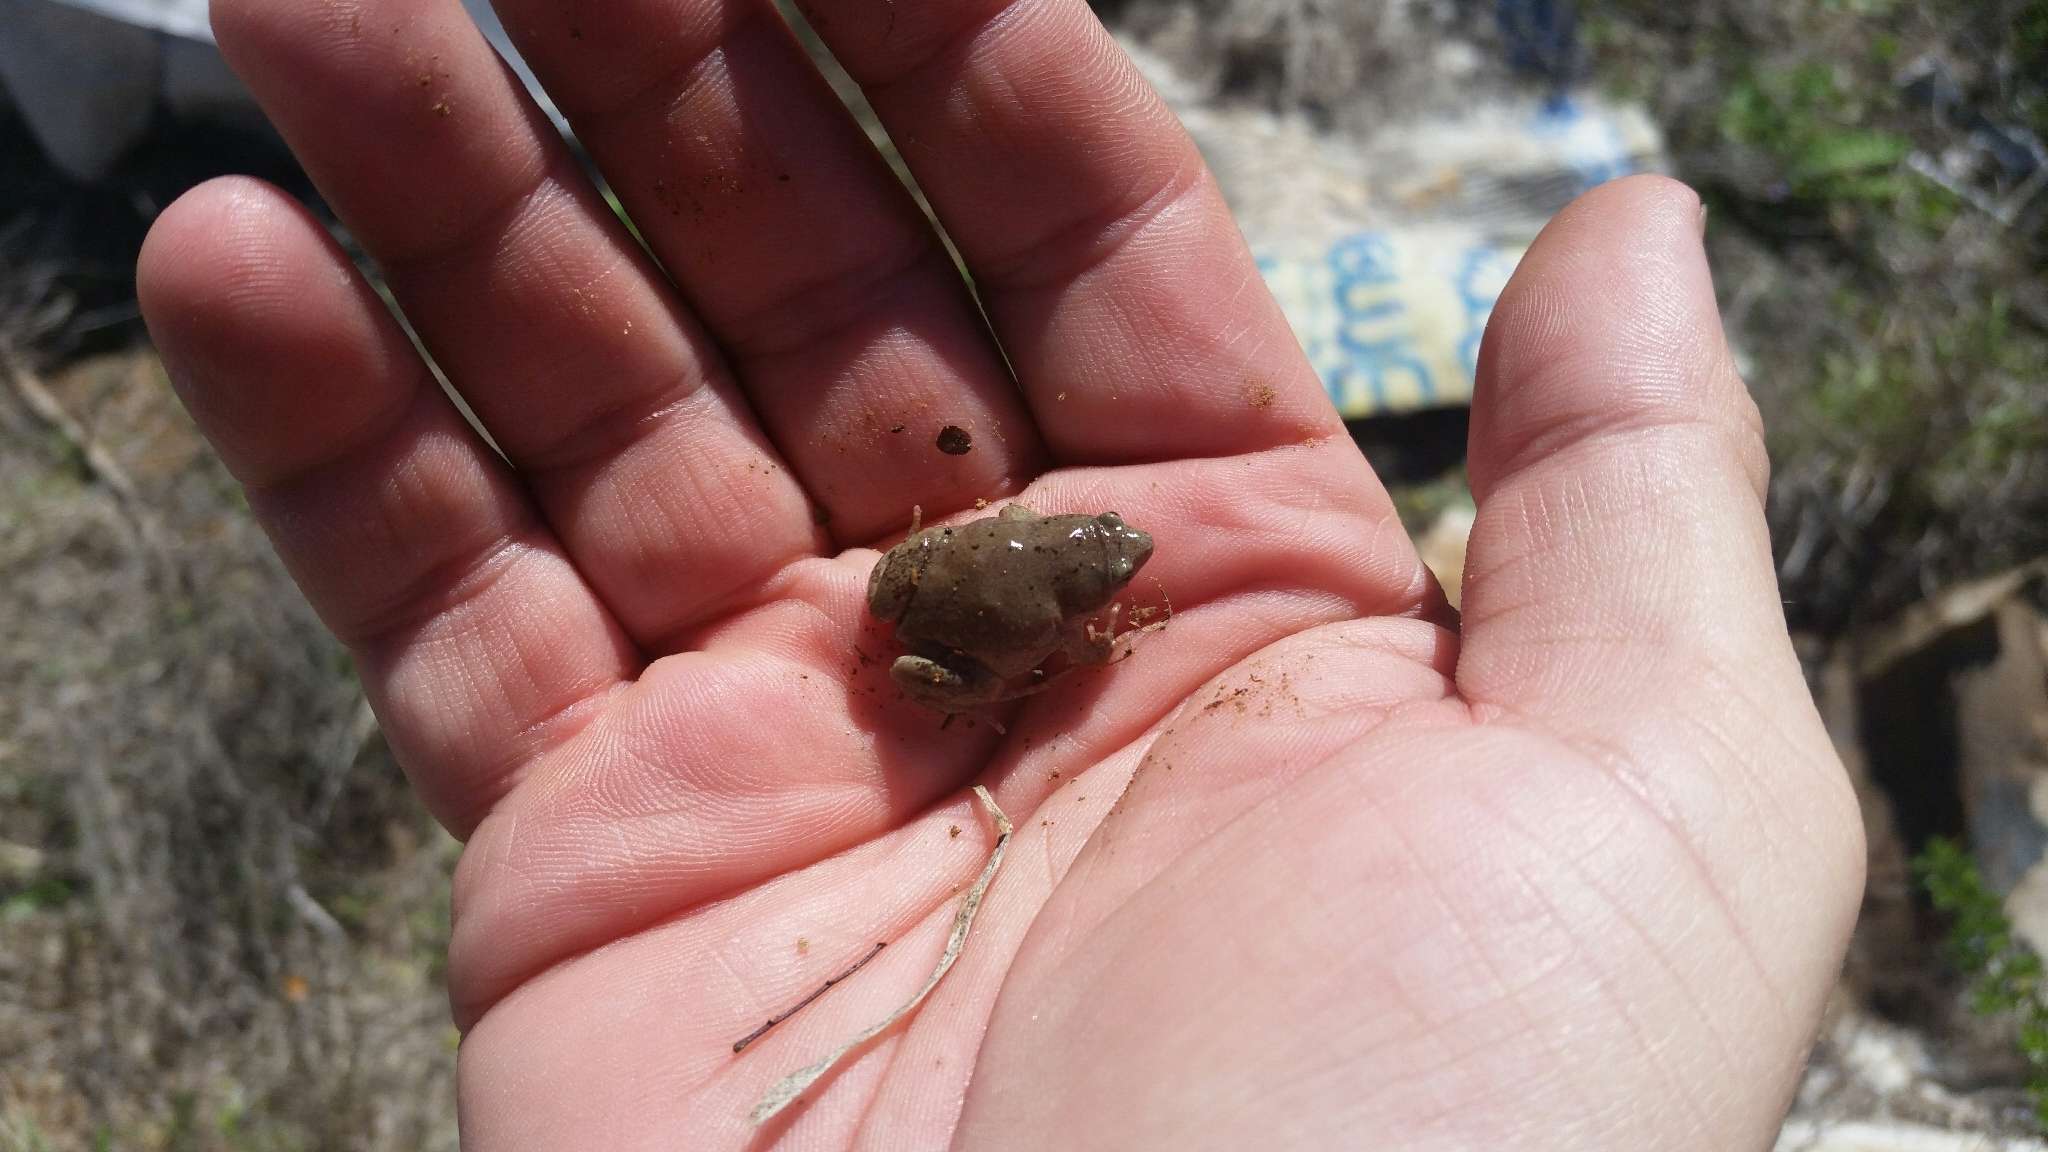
x: 478, y: 641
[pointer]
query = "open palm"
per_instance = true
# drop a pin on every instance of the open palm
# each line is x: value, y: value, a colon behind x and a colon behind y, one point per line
x: 1321, y: 865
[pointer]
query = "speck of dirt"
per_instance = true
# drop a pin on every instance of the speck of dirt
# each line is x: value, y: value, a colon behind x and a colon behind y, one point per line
x: 1061, y: 396
x: 782, y: 177
x: 1233, y: 697
x: 897, y: 427
x: 442, y: 109
x: 803, y: 945
x: 954, y: 440
x: 1259, y: 394
x: 952, y: 831
x: 1054, y: 775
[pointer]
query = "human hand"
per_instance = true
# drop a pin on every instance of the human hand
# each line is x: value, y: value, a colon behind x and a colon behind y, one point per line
x: 1322, y: 866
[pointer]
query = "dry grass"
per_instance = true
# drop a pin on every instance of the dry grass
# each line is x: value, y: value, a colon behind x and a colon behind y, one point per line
x: 221, y: 914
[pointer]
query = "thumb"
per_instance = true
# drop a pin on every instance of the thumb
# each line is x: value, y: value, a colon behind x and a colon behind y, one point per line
x: 1619, y: 589
x: 1619, y: 468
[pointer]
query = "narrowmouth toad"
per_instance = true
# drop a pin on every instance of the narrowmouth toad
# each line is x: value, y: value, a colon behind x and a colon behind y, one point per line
x: 981, y: 606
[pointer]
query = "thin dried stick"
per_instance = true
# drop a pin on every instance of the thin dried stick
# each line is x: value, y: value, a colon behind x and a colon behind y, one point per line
x: 99, y: 463
x: 45, y: 406
x: 740, y: 1045
x: 787, y: 1089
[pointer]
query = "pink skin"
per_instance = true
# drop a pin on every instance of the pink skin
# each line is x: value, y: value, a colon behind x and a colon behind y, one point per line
x: 1322, y: 866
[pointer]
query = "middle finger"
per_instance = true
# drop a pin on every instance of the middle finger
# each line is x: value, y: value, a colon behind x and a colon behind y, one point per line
x: 843, y: 316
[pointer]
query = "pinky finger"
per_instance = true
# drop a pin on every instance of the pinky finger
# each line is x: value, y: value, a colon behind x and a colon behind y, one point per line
x: 479, y: 644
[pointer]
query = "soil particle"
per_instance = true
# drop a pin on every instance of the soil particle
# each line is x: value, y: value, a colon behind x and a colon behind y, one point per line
x: 955, y: 441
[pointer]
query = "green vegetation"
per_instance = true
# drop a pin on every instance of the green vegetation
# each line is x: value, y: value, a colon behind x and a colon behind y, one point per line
x: 1810, y: 118
x: 1893, y: 325
x: 21, y: 1136
x: 2005, y: 973
x: 40, y: 895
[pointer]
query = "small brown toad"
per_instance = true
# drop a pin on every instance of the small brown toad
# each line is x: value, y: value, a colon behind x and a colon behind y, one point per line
x: 983, y: 605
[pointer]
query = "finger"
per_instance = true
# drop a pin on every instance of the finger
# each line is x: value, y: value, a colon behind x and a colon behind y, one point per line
x: 1619, y: 588
x: 552, y: 323
x: 1109, y: 265
x: 844, y: 318
x: 477, y: 642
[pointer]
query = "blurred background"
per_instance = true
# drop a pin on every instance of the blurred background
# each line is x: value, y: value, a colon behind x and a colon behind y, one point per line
x: 222, y: 915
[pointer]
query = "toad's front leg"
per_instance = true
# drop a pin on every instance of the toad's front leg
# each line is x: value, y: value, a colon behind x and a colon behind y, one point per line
x: 1089, y: 644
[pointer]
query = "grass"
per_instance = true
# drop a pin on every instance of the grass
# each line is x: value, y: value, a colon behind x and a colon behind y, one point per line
x: 174, y: 761
x: 1812, y: 119
x: 2005, y: 973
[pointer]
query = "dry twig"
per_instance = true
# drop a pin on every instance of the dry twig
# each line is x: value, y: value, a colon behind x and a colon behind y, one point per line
x: 786, y: 1090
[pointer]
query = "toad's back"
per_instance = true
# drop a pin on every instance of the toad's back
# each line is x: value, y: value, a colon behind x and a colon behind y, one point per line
x: 990, y: 589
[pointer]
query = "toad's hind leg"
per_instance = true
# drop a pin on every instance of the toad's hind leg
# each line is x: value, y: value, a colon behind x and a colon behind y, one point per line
x: 956, y: 686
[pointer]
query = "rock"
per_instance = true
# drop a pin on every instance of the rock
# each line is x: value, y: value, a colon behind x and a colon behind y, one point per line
x: 1873, y: 1086
x: 1891, y: 1136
